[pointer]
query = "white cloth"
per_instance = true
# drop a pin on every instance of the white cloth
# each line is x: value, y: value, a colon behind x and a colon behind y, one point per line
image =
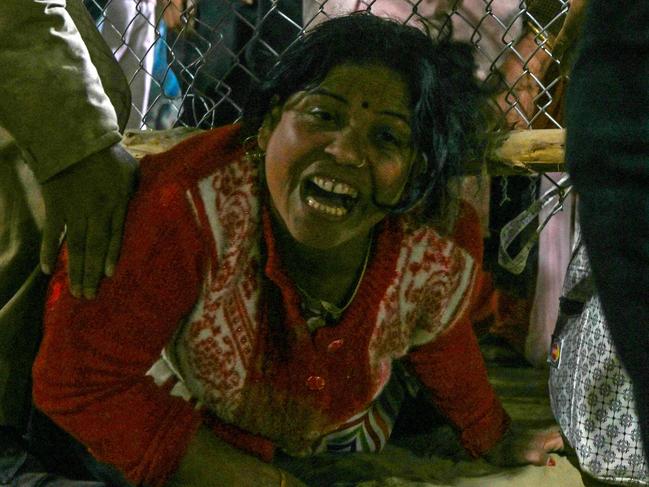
x: 128, y: 27
x: 555, y: 247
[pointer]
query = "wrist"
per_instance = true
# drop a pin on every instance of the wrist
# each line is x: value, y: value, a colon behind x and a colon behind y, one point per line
x: 502, y: 452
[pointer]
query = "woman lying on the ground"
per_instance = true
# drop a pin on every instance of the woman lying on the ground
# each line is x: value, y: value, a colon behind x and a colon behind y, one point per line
x: 270, y: 287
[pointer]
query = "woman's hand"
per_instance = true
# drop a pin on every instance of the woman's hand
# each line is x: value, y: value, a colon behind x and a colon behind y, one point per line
x: 521, y: 447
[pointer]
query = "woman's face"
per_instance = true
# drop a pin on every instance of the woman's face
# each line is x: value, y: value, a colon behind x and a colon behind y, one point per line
x: 334, y: 149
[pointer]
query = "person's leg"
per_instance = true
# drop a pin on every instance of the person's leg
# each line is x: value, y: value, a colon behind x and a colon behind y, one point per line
x: 22, y: 290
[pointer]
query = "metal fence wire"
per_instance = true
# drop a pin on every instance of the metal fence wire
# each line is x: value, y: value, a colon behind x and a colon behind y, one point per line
x: 191, y: 62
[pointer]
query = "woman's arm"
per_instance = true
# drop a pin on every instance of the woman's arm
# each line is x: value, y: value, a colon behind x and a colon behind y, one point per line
x: 451, y: 367
x: 211, y: 462
x: 453, y: 371
x: 90, y: 375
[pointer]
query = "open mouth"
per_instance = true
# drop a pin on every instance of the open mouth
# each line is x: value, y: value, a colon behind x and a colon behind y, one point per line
x: 330, y: 196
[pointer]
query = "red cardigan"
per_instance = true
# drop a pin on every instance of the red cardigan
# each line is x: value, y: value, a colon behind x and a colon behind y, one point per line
x: 92, y: 374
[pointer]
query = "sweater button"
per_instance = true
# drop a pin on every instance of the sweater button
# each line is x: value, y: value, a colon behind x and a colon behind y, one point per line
x: 335, y: 345
x: 315, y: 383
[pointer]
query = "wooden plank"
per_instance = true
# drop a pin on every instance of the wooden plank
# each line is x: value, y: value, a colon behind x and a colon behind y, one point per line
x: 519, y: 152
x: 524, y: 152
x: 144, y: 142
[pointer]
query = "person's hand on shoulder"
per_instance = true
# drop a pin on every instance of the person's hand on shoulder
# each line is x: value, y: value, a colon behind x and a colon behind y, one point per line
x: 90, y: 199
x: 521, y: 447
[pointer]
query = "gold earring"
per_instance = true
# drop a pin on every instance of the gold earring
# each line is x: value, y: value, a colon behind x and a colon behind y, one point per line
x: 254, y: 154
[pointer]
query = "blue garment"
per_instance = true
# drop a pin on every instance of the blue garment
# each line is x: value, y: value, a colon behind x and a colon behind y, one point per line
x: 163, y: 75
x: 165, y: 93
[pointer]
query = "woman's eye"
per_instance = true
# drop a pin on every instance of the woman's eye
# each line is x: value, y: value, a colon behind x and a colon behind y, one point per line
x: 387, y: 137
x: 322, y: 114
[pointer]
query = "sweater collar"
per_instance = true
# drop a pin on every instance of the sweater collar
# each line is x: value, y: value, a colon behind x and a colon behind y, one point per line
x: 381, y: 271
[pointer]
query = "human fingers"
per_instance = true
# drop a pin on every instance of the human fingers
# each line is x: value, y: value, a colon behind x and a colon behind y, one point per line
x: 553, y: 440
x: 50, y: 243
x: 97, y: 236
x: 540, y: 445
x: 76, y: 243
x: 117, y: 227
x: 533, y: 454
x: 541, y: 459
x: 92, y: 188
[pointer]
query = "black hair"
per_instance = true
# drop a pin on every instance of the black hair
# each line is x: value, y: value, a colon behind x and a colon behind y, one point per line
x: 450, y: 109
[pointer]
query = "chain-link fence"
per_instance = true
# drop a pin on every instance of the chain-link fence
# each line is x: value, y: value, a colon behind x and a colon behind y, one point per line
x: 192, y: 62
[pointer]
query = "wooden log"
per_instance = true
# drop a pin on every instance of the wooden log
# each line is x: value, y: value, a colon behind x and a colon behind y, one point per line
x: 519, y: 152
x: 524, y: 152
x: 144, y: 142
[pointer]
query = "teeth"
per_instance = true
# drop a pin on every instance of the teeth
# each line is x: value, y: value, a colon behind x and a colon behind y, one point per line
x: 329, y: 210
x: 342, y: 188
x: 334, y: 186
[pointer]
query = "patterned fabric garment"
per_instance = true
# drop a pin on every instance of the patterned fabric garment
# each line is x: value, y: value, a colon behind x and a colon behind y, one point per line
x: 419, y: 281
x: 370, y: 430
x: 201, y: 280
x: 591, y: 393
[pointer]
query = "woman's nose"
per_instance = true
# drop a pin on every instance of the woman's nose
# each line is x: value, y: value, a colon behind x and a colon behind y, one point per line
x: 347, y: 147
